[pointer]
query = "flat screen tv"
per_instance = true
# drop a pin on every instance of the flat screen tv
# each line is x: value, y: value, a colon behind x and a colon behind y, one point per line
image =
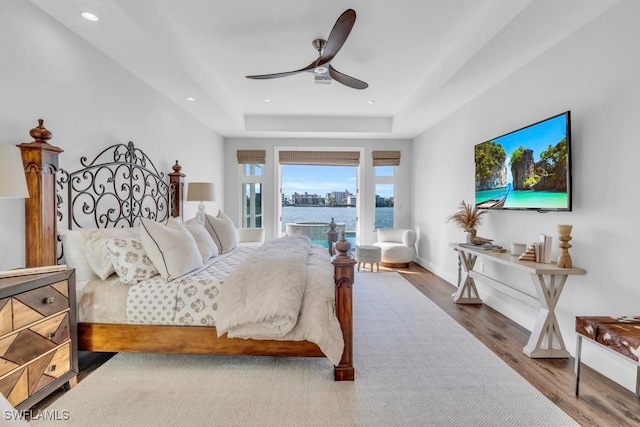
x: 527, y: 169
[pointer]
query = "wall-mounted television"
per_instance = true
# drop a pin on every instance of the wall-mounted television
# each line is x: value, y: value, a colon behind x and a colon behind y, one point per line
x: 527, y: 169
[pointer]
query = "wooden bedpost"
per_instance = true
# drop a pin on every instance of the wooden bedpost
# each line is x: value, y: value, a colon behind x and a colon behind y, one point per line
x: 332, y: 236
x: 176, y: 181
x: 343, y: 264
x: 40, y: 160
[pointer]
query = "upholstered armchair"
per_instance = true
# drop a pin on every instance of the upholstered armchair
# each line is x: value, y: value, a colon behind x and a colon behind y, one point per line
x: 250, y: 236
x: 398, y: 246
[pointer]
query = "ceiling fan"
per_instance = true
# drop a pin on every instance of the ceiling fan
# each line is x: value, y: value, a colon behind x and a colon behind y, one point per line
x: 327, y: 50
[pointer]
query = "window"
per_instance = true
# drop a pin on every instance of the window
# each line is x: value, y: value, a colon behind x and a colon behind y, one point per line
x: 252, y: 205
x: 252, y: 163
x: 384, y: 217
x: 385, y: 164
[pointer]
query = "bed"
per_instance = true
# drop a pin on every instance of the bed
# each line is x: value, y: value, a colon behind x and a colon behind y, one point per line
x: 122, y: 189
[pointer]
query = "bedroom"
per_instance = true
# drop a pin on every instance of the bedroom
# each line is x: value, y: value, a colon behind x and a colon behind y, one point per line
x: 90, y: 101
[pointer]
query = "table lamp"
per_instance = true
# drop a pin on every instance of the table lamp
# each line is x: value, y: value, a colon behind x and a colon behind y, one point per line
x: 200, y: 192
x: 13, y: 182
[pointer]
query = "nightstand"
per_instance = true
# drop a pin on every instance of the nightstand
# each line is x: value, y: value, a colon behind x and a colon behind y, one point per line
x: 38, y: 336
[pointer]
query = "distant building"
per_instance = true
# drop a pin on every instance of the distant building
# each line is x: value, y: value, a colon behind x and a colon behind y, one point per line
x: 340, y: 197
x: 307, y: 199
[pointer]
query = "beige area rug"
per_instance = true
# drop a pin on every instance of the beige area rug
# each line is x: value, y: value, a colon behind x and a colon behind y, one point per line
x: 415, y: 366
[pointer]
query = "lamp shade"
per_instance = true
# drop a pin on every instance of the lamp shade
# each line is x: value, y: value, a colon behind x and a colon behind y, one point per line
x: 200, y: 192
x: 13, y: 182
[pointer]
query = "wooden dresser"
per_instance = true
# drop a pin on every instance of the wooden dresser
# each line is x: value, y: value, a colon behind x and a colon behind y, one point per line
x: 38, y: 336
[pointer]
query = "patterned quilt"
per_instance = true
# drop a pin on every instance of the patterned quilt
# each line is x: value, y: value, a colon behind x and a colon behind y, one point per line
x: 189, y: 300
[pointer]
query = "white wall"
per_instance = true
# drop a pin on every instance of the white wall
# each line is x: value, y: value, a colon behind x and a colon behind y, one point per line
x: 88, y: 102
x: 593, y: 73
x: 402, y: 198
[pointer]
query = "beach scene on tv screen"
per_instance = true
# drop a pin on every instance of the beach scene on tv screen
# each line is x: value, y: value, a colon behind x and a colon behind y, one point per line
x: 525, y: 169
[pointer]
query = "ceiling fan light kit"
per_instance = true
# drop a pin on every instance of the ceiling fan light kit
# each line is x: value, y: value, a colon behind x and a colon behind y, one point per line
x: 327, y: 49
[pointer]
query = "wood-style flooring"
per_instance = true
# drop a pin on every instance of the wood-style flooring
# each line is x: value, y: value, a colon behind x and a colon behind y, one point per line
x: 602, y: 402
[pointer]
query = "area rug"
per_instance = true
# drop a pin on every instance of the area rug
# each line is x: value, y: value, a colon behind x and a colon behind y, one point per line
x: 415, y: 366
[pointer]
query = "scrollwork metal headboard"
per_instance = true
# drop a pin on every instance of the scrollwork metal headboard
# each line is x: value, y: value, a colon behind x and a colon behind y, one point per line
x: 117, y: 188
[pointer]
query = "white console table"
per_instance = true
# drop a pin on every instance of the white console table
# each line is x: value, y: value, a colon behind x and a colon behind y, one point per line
x: 545, y: 340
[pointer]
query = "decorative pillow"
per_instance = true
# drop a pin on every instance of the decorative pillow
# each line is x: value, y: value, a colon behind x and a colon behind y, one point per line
x: 171, y: 248
x: 129, y: 259
x: 96, y: 251
x: 73, y: 242
x: 206, y: 245
x: 223, y: 231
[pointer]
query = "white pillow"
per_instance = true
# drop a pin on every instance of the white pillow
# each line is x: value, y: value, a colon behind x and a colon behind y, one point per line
x: 223, y: 231
x: 206, y: 245
x: 96, y: 251
x: 73, y: 242
x: 130, y: 260
x: 171, y: 248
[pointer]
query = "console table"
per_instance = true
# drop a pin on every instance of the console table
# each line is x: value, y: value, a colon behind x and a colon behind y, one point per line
x: 545, y: 340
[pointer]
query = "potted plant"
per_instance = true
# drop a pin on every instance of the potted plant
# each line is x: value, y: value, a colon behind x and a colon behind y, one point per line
x: 467, y: 217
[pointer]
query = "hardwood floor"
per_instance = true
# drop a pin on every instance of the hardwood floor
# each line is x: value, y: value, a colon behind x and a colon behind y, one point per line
x: 602, y: 402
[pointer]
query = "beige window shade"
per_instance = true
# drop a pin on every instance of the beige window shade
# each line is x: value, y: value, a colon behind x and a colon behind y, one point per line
x: 327, y: 158
x: 251, y: 157
x: 386, y: 158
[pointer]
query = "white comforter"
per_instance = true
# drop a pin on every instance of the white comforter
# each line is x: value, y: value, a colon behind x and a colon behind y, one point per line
x: 283, y: 290
x: 263, y: 296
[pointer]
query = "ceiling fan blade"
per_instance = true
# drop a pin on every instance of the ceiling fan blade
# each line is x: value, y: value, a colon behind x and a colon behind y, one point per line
x: 346, y: 80
x: 284, y: 74
x: 338, y: 35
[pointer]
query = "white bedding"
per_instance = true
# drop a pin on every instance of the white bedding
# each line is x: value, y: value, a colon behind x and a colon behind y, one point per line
x: 284, y: 291
x: 194, y: 299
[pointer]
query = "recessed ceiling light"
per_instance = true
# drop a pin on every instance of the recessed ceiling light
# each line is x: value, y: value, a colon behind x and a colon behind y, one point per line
x: 371, y: 101
x: 189, y: 98
x: 267, y: 100
x: 89, y: 16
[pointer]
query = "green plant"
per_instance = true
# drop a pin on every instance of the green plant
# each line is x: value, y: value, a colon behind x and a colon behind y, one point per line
x: 467, y: 217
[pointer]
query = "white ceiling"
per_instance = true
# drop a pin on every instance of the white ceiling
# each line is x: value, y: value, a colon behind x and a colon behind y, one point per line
x: 423, y: 59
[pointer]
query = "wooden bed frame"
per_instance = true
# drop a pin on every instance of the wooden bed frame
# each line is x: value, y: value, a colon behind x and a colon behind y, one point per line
x: 46, y: 185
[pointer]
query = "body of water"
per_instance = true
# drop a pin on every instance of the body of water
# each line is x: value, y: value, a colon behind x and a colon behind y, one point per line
x: 526, y: 198
x: 346, y: 215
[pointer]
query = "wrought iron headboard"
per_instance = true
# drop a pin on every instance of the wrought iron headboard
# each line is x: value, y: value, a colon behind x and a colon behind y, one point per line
x: 117, y: 188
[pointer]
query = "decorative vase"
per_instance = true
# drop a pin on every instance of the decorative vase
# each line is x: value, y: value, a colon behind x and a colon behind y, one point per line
x: 564, y: 235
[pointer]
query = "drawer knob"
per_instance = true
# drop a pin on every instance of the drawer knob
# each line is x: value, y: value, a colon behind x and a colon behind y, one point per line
x: 51, y: 335
x: 49, y: 300
x: 52, y: 368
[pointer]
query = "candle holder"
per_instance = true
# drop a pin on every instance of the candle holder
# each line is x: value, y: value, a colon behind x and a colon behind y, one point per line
x: 564, y: 235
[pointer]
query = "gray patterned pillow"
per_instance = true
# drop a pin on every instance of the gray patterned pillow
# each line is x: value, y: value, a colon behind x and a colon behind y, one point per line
x: 129, y: 259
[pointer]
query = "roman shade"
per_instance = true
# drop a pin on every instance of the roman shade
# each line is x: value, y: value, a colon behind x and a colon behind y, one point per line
x: 251, y: 157
x: 327, y: 158
x: 386, y: 158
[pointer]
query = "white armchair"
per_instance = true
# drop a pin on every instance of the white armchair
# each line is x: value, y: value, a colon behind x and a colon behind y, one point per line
x: 250, y: 236
x: 398, y: 246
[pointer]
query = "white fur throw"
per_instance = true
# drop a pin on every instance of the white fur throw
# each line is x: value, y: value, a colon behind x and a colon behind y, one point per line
x: 262, y: 297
